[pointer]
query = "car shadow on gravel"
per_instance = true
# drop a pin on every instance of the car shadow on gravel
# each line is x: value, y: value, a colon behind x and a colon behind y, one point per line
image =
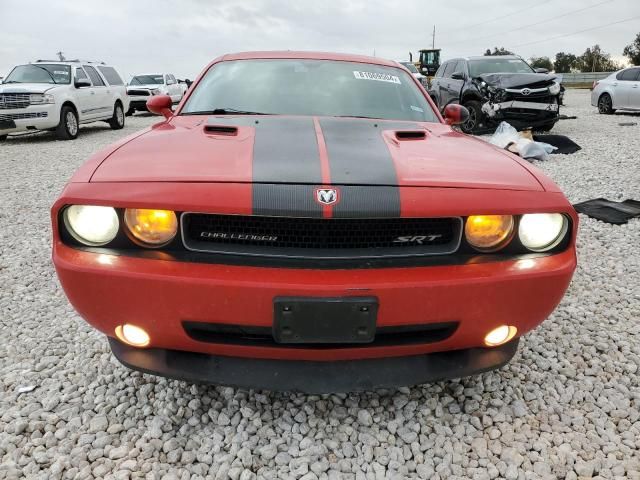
x: 45, y: 136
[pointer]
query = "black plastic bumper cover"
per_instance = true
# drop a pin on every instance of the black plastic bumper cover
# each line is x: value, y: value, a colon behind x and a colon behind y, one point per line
x: 312, y: 376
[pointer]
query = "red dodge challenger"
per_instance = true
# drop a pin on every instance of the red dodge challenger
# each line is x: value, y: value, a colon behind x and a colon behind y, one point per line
x: 309, y: 221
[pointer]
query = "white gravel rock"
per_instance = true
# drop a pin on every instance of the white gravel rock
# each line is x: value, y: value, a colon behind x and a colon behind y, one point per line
x: 567, y: 406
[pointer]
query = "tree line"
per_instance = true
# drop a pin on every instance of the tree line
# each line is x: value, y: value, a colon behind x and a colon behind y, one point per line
x: 592, y: 60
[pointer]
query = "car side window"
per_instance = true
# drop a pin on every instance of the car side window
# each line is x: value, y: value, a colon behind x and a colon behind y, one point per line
x: 96, y: 79
x: 440, y: 70
x: 448, y: 70
x: 458, y: 67
x: 629, y: 75
x: 637, y: 76
x: 81, y: 74
x: 169, y: 80
x: 110, y: 75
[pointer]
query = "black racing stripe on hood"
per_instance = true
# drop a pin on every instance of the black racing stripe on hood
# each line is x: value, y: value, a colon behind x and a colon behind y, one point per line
x: 357, y: 152
x: 285, y: 155
x: 367, y: 202
x: 285, y: 200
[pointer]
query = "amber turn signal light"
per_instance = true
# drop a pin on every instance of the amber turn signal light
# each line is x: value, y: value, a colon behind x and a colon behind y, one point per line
x: 152, y: 228
x: 488, y: 232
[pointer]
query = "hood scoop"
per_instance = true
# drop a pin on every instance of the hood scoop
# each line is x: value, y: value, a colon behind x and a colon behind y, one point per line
x: 228, y: 130
x: 411, y: 135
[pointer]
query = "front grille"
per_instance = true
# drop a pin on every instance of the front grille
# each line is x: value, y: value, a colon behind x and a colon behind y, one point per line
x: 23, y: 116
x: 263, y: 337
x: 14, y: 100
x: 542, y: 97
x: 320, y: 237
x: 143, y: 93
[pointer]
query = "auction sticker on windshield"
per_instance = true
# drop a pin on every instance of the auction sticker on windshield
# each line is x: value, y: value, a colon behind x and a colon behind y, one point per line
x: 380, y: 77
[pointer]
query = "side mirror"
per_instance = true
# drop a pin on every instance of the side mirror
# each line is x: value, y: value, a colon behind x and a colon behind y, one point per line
x: 455, y: 114
x: 82, y: 83
x: 160, y: 105
x: 541, y: 70
x: 458, y: 76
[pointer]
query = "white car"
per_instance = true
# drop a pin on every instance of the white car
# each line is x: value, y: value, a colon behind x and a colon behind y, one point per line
x: 618, y: 91
x: 141, y: 87
x: 59, y: 96
x: 414, y: 71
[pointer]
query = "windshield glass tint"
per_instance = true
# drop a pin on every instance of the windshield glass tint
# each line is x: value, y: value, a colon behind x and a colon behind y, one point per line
x: 40, y: 73
x: 310, y: 87
x: 147, y: 80
x: 411, y: 67
x: 498, y: 65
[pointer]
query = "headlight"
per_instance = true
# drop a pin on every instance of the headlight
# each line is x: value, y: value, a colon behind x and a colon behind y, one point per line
x: 153, y: 228
x: 40, y: 98
x: 554, y: 89
x: 488, y: 232
x: 156, y: 91
x: 91, y: 225
x: 542, y: 231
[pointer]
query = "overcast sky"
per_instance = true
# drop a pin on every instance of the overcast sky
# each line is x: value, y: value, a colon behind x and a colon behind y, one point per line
x: 182, y: 36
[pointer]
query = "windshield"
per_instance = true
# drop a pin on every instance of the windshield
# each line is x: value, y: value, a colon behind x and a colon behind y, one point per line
x: 411, y: 67
x: 40, y: 73
x: 147, y: 80
x: 309, y: 87
x: 498, y: 65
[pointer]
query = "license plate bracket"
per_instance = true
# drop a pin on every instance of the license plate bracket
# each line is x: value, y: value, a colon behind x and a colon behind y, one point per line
x: 301, y: 320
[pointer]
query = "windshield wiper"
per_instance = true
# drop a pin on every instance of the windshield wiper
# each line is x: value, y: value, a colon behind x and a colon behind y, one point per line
x: 48, y: 72
x: 225, y: 111
x: 357, y: 116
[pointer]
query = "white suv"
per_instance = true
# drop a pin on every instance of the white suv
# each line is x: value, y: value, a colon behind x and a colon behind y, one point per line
x: 141, y: 87
x: 61, y: 95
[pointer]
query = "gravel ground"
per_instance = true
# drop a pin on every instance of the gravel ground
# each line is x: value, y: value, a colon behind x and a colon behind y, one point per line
x: 566, y: 407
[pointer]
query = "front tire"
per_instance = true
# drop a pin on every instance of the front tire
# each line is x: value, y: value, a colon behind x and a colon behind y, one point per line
x: 130, y: 112
x: 117, y: 121
x: 67, y: 129
x: 605, y: 104
x: 476, y: 117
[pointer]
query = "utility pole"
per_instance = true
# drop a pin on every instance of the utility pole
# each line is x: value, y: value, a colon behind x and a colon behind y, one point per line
x: 433, y: 39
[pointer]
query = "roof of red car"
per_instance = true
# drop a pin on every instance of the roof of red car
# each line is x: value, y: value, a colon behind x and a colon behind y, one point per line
x: 345, y: 57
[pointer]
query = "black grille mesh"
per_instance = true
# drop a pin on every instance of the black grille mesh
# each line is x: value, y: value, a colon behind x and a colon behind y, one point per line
x: 318, y: 233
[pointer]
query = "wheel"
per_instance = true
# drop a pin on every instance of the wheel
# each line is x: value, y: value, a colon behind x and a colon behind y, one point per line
x: 67, y: 129
x: 130, y: 112
x: 476, y: 117
x: 117, y: 121
x: 605, y: 104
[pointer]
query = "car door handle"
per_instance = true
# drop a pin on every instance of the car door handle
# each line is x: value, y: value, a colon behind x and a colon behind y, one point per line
x: 92, y: 92
x: 635, y: 86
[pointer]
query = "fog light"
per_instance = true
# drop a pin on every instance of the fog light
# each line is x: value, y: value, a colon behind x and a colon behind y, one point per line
x: 500, y: 335
x: 132, y: 335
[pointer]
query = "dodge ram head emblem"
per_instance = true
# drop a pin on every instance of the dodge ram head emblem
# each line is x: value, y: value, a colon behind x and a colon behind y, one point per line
x: 525, y: 91
x: 327, y: 196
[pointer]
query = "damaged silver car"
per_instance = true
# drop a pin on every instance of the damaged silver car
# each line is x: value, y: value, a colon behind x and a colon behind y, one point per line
x: 498, y: 88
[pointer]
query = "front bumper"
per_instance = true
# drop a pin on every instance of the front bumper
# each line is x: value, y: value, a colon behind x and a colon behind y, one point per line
x: 161, y: 295
x: 138, y: 102
x: 33, y: 117
x: 313, y: 377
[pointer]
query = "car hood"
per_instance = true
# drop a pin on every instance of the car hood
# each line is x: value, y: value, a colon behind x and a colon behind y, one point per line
x: 27, y: 87
x: 147, y: 87
x: 313, y: 150
x: 514, y: 80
